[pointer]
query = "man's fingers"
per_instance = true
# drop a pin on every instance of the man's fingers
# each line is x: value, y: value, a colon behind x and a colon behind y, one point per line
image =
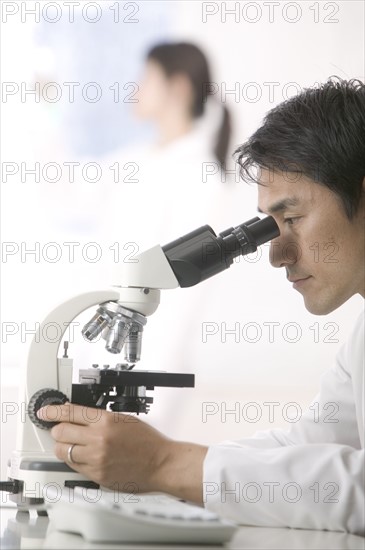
x: 65, y: 432
x: 75, y: 414
x: 75, y: 457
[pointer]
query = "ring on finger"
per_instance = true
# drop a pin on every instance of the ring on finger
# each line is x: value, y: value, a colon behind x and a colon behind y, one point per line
x: 69, y: 454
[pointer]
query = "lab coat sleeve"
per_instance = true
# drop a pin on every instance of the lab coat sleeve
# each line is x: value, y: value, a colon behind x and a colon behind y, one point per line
x: 311, y: 476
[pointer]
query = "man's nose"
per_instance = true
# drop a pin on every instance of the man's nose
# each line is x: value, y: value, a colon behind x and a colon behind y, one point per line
x: 283, y: 252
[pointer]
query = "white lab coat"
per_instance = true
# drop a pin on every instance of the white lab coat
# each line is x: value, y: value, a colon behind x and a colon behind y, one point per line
x: 321, y: 457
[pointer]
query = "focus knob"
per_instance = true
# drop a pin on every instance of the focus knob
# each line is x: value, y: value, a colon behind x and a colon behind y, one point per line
x: 42, y: 398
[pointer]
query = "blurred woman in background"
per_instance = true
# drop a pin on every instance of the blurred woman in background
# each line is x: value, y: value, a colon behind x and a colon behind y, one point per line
x: 184, y: 163
x: 175, y: 93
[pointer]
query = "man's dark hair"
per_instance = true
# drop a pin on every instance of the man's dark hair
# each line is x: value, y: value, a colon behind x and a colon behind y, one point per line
x: 320, y: 134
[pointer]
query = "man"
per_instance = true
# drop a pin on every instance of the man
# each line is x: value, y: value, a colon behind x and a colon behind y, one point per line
x: 310, y: 155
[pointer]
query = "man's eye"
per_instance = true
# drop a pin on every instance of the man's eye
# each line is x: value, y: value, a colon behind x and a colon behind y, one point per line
x: 290, y: 221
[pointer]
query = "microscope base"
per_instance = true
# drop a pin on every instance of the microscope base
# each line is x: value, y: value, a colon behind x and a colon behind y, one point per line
x: 35, y: 474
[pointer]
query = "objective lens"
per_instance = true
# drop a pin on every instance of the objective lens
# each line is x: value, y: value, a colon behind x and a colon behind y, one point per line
x: 93, y: 328
x: 133, y: 345
x: 118, y: 326
x: 117, y: 335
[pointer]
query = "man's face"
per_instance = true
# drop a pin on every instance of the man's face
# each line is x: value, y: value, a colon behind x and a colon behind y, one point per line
x: 318, y: 245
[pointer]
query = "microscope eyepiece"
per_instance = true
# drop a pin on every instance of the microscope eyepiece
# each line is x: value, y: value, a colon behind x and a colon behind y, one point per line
x: 202, y: 254
x: 262, y: 230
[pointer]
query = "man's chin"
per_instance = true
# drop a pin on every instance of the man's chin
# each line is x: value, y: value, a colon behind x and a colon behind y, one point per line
x: 315, y: 309
x: 321, y: 306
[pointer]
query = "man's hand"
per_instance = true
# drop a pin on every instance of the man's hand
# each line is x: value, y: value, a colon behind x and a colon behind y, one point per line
x: 117, y: 450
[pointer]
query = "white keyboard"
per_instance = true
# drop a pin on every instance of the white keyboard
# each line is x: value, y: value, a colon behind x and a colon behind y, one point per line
x: 103, y: 516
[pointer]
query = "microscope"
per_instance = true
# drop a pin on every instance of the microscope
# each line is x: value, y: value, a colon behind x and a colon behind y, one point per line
x: 120, y: 318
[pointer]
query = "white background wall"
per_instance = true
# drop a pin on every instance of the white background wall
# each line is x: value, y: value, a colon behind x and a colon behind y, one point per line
x: 279, y: 52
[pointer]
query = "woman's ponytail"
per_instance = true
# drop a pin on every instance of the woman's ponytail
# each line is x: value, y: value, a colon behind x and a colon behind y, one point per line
x: 224, y: 134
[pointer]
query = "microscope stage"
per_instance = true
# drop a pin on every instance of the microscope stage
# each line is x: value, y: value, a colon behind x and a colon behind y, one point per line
x: 148, y: 379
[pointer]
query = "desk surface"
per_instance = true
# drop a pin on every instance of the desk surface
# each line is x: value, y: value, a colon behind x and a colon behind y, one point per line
x: 30, y: 531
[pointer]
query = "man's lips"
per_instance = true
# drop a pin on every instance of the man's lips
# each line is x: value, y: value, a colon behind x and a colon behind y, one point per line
x: 298, y: 282
x: 292, y: 280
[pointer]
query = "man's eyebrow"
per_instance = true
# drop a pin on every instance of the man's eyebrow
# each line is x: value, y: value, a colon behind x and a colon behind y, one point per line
x: 280, y: 205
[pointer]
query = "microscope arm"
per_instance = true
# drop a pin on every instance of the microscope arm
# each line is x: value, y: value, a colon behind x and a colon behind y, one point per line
x: 41, y: 370
x: 44, y: 369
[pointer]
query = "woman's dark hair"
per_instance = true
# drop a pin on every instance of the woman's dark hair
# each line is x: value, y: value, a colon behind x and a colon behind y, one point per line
x: 320, y: 134
x: 186, y: 58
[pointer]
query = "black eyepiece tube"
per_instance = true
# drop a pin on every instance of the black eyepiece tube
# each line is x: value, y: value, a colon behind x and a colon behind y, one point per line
x: 263, y: 230
x: 202, y: 254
